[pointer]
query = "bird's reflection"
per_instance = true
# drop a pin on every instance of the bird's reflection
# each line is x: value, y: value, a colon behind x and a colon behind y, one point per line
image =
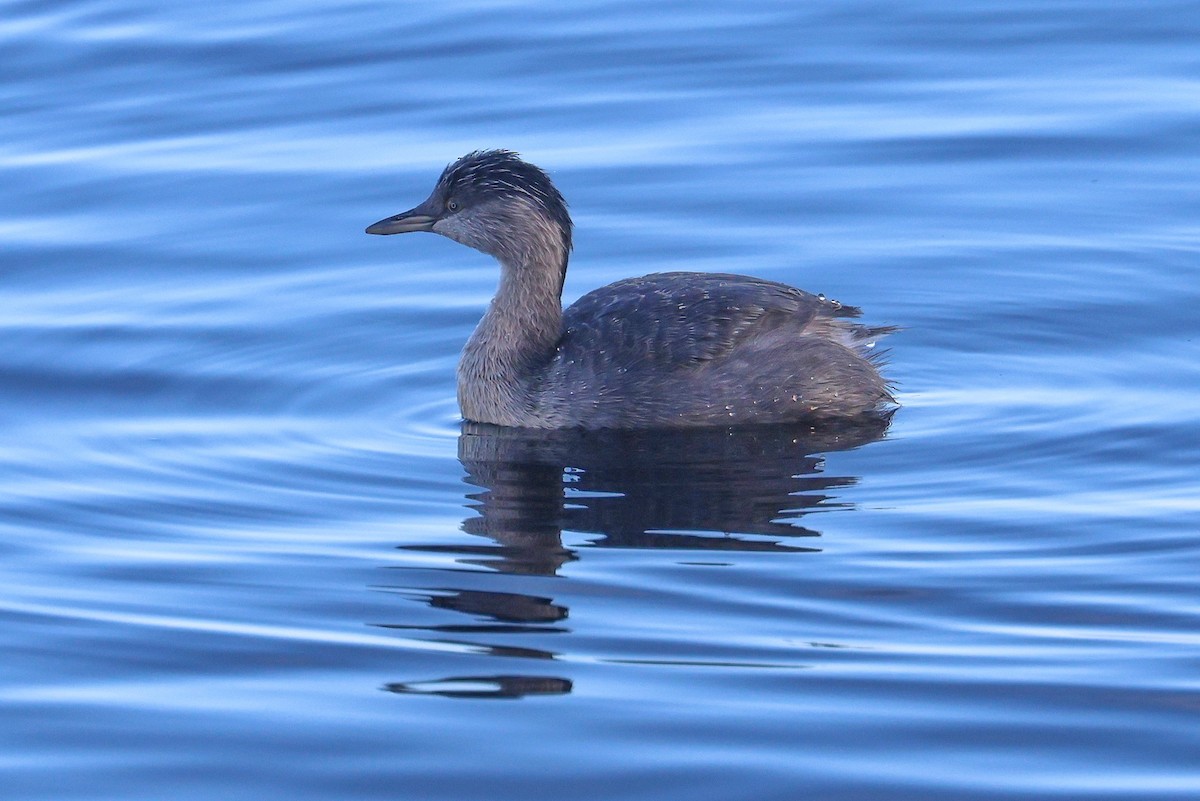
x: 708, y: 489
x: 704, y: 490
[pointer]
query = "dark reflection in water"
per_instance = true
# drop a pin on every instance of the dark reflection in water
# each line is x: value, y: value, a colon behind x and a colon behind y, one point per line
x: 702, y: 490
x: 710, y: 489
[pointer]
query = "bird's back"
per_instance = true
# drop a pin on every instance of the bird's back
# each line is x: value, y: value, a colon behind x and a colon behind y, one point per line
x: 672, y: 349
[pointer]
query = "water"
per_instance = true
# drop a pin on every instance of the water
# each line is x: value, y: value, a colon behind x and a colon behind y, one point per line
x: 248, y: 552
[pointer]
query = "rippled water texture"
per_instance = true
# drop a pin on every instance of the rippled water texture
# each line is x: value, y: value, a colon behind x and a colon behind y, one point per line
x: 248, y: 551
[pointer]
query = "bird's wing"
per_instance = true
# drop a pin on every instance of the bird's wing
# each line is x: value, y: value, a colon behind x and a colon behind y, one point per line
x: 677, y: 320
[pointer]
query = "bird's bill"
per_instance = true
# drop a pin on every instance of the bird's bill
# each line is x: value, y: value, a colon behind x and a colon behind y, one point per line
x: 417, y: 219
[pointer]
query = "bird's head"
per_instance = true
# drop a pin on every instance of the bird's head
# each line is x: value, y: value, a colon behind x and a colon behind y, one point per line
x: 495, y: 202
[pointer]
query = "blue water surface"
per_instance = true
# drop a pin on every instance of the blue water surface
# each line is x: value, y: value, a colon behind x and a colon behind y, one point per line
x: 248, y: 550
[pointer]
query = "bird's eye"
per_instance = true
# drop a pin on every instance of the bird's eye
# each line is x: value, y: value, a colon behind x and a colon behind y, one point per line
x: 452, y: 205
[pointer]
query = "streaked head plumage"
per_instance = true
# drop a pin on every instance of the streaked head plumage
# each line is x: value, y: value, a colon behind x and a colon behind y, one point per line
x: 487, y: 175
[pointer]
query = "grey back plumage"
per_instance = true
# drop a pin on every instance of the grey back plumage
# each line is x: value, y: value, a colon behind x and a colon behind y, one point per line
x: 687, y: 349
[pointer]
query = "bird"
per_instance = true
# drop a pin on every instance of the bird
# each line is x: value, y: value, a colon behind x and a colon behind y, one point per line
x: 666, y: 350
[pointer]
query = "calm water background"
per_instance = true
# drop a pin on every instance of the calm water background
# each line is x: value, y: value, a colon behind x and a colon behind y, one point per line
x: 248, y: 552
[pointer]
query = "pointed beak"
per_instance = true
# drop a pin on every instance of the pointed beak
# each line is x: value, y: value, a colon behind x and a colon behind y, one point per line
x: 412, y: 220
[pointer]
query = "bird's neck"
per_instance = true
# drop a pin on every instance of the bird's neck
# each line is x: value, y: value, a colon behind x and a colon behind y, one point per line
x: 515, y: 340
